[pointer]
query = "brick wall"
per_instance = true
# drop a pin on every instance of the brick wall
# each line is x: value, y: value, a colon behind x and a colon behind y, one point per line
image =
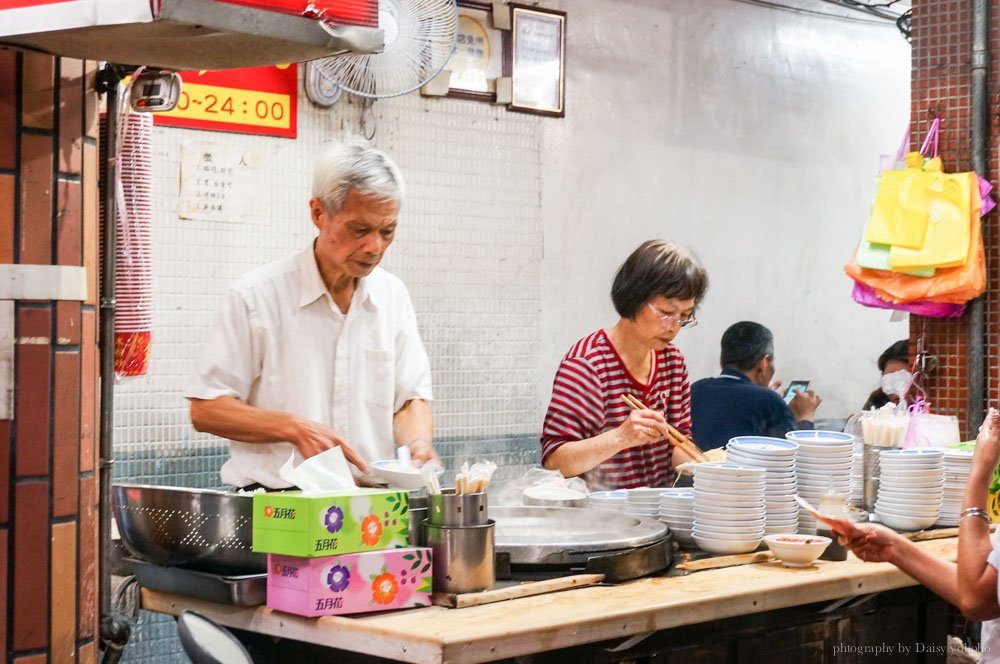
x: 942, y: 84
x: 48, y: 452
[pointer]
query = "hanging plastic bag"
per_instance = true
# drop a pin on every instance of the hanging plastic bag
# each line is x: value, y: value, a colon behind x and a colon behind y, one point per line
x: 955, y: 285
x: 866, y: 296
x: 899, y: 211
x: 899, y: 214
x: 929, y: 430
x: 876, y: 257
x: 949, y: 198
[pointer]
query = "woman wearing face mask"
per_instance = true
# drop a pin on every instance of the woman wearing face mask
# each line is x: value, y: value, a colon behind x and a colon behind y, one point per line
x: 894, y: 364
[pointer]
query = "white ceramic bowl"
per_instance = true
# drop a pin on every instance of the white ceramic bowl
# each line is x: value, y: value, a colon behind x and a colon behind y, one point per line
x: 797, y: 550
x: 748, y: 459
x: 716, y: 545
x: 553, y: 496
x: 902, y: 522
x: 388, y: 471
x: 763, y: 445
x: 819, y: 436
x: 736, y: 500
x: 728, y: 471
x: 901, y: 509
x: 728, y: 487
x: 709, y: 522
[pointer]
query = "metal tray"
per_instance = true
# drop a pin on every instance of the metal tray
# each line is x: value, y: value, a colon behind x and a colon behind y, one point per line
x: 570, y: 535
x: 245, y: 590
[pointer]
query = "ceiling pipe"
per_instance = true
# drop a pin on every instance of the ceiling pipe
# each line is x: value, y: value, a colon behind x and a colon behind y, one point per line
x: 980, y: 153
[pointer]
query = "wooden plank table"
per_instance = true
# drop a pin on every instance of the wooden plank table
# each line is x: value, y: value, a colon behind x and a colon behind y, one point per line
x: 573, y: 617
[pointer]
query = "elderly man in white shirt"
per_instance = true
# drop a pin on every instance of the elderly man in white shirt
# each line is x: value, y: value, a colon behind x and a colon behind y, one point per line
x: 321, y: 349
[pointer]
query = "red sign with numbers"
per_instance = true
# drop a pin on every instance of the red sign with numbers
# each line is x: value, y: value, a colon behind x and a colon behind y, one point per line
x: 350, y: 12
x: 17, y: 4
x: 252, y: 100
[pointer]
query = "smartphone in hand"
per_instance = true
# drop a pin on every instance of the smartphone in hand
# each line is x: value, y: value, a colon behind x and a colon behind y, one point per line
x: 795, y: 387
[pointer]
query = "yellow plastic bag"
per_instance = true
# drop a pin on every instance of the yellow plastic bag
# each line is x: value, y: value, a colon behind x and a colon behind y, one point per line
x: 899, y: 214
x: 951, y: 198
x: 954, y: 285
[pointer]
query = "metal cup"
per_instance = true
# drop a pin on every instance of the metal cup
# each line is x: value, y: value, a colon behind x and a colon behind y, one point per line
x: 457, y: 509
x: 871, y: 472
x: 418, y: 512
x: 463, y: 557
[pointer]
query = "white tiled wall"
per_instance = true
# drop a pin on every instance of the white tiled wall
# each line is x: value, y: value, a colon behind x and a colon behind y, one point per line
x: 468, y: 248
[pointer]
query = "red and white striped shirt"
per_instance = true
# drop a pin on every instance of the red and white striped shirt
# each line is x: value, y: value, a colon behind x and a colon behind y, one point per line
x: 586, y: 401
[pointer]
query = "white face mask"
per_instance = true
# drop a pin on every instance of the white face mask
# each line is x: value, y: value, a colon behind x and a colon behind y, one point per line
x: 896, y: 382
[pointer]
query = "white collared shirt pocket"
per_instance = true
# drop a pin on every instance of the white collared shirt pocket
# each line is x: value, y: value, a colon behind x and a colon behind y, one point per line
x: 380, y: 384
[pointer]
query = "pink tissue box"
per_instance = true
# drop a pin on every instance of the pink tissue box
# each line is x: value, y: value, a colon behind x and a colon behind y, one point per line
x: 349, y: 583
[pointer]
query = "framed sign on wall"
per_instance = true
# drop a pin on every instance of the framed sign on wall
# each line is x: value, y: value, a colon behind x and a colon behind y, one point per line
x: 538, y: 61
x: 479, y: 54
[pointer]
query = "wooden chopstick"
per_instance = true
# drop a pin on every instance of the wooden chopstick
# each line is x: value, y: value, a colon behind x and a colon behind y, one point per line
x: 679, y: 439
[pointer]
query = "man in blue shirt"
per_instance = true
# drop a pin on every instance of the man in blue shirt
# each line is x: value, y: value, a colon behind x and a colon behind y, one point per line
x: 739, y: 402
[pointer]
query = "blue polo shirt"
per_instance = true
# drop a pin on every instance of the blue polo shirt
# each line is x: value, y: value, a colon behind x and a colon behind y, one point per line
x: 730, y: 405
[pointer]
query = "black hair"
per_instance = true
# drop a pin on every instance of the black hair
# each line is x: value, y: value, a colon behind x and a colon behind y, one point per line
x: 657, y: 268
x: 899, y: 351
x: 744, y: 344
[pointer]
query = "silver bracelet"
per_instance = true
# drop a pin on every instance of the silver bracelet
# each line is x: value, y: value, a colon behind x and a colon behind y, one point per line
x: 975, y: 511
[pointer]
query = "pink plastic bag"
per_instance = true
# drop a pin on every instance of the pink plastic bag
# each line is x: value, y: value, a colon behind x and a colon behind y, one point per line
x: 865, y: 295
x: 929, y: 430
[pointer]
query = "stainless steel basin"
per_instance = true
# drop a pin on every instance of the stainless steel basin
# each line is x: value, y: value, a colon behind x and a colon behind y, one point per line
x: 197, y: 528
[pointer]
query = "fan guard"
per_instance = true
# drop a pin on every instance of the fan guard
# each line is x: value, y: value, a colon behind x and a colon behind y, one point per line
x: 419, y: 39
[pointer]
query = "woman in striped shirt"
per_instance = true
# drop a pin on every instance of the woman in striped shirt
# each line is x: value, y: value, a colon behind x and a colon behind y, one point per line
x: 589, y: 430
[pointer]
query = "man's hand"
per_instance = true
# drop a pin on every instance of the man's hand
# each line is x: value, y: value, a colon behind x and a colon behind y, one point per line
x: 312, y: 438
x: 804, y: 405
x: 422, y: 451
x: 776, y: 386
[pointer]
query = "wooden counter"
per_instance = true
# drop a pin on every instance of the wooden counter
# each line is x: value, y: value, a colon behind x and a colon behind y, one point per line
x: 564, y: 619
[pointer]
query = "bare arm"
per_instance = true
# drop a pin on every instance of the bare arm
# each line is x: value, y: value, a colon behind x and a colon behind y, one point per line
x: 235, y: 419
x: 578, y: 456
x: 413, y: 425
x: 977, y: 579
x: 878, y: 544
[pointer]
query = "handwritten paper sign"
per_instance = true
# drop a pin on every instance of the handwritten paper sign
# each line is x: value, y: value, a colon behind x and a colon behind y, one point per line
x: 220, y: 183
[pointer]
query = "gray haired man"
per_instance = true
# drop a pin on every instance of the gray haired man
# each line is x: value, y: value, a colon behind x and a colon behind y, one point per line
x: 321, y: 349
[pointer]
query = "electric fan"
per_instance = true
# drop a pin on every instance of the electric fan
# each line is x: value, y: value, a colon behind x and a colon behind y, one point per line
x: 419, y: 39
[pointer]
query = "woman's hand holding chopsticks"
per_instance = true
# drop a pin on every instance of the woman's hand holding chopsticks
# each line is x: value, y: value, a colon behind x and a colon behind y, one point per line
x: 642, y: 426
x: 665, y: 430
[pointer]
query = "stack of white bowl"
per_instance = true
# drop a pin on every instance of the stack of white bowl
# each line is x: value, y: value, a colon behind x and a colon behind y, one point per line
x: 644, y: 502
x: 858, y: 474
x: 822, y: 465
x: 957, y: 465
x: 777, y: 458
x: 729, y: 508
x: 677, y: 511
x: 911, y: 488
x: 608, y: 500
